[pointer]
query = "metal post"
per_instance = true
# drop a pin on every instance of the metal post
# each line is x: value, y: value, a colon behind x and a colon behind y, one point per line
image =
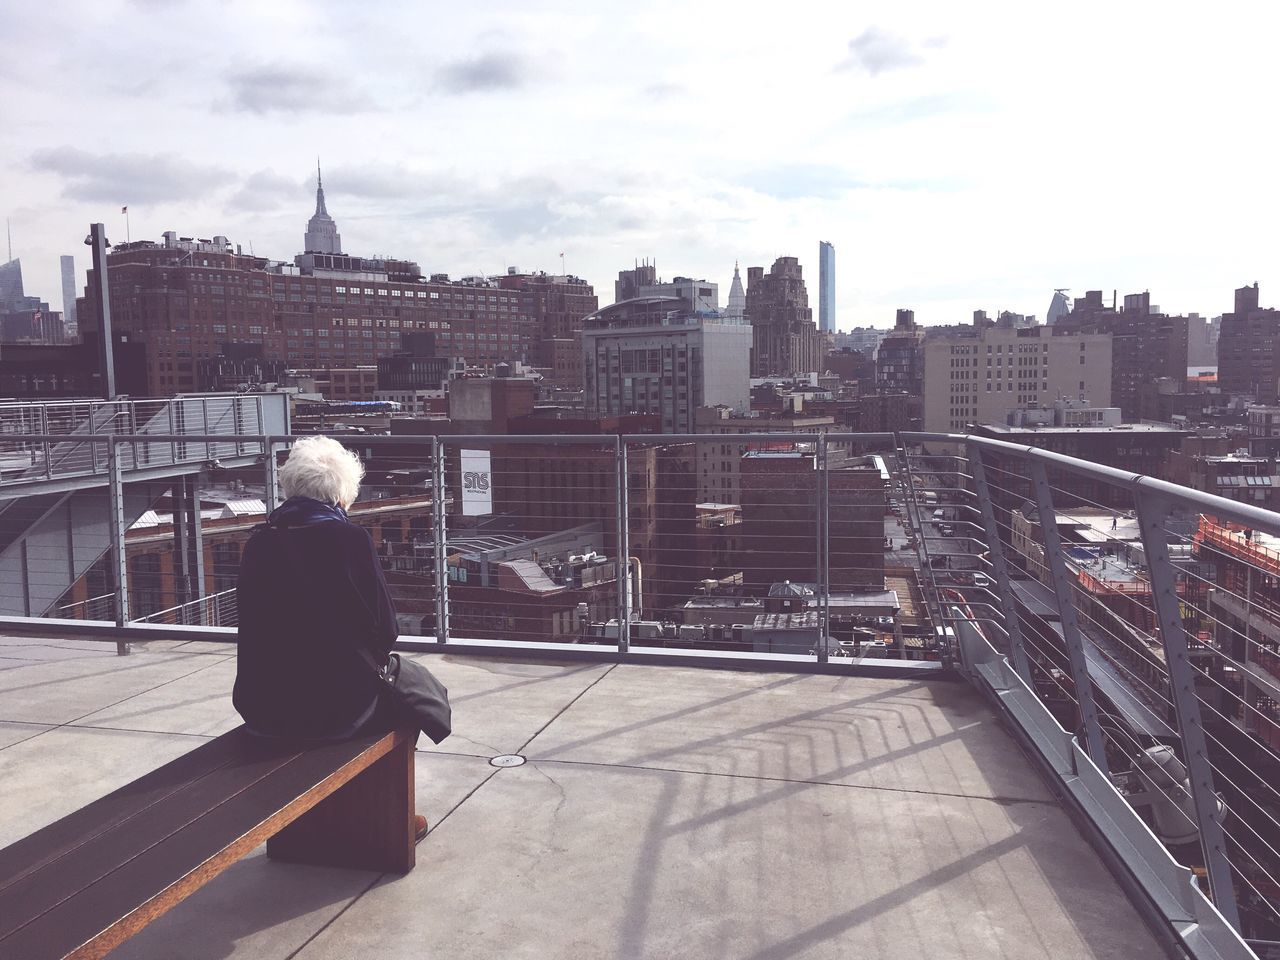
x: 93, y: 447
x: 181, y: 552
x: 115, y: 490
x: 1094, y: 744
x: 999, y: 566
x: 1153, y: 512
x: 209, y: 450
x: 272, y: 499
x: 44, y: 429
x: 439, y: 539
x: 823, y: 530
x: 195, y: 543
x: 173, y: 444
x: 102, y: 293
x: 624, y: 547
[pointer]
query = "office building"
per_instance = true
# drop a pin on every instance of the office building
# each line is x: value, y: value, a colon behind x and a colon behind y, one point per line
x: 701, y: 296
x: 1146, y: 344
x: 1202, y: 341
x: 899, y: 363
x: 785, y: 340
x: 183, y: 297
x: 985, y: 374
x: 866, y: 340
x: 720, y: 464
x: 826, y: 287
x: 554, y: 306
x: 1247, y: 364
x: 780, y: 508
x: 655, y: 355
x: 68, y: 266
x: 629, y: 282
x: 1059, y: 307
x: 10, y: 283
x: 322, y: 232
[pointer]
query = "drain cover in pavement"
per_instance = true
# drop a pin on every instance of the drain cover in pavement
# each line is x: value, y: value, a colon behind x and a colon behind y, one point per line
x: 507, y: 760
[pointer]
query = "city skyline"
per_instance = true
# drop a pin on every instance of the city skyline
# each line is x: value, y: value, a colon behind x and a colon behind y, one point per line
x: 940, y: 150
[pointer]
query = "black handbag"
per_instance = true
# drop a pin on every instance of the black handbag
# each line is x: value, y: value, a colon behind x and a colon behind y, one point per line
x: 415, y: 694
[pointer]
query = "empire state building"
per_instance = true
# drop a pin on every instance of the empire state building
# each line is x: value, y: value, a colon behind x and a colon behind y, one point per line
x: 322, y: 233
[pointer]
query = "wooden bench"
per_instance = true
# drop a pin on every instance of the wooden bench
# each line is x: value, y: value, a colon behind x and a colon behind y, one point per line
x: 83, y: 885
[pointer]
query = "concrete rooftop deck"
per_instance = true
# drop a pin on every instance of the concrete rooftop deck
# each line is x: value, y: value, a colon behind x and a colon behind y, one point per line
x: 664, y: 812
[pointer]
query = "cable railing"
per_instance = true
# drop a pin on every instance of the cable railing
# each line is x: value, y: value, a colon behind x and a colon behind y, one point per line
x: 44, y: 441
x: 1127, y: 628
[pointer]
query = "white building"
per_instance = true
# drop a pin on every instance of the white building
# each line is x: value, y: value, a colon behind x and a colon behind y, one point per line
x: 981, y: 376
x: 654, y: 355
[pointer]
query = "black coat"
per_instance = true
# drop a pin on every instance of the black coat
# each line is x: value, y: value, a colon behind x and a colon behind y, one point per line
x: 308, y: 596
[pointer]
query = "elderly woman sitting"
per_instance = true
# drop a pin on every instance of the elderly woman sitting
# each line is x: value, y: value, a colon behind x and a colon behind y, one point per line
x: 311, y: 594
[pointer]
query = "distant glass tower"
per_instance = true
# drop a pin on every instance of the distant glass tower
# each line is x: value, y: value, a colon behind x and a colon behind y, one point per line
x: 1059, y: 307
x: 826, y: 287
x: 69, y: 295
x: 322, y: 232
x: 10, y: 283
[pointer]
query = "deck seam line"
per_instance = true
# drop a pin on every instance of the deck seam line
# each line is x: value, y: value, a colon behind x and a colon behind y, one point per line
x: 578, y: 696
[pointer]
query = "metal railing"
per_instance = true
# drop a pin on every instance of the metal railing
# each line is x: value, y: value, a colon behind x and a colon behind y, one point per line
x: 1150, y: 695
x: 62, y: 439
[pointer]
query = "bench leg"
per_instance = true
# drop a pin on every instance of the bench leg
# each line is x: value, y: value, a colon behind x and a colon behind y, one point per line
x: 366, y: 824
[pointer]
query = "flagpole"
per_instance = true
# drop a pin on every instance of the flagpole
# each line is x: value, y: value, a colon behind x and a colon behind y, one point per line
x: 128, y: 237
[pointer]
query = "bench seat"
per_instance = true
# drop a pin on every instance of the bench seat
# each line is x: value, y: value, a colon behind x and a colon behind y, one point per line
x: 81, y: 886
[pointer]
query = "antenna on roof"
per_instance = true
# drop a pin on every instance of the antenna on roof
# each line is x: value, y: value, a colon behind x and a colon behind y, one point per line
x: 9, y: 232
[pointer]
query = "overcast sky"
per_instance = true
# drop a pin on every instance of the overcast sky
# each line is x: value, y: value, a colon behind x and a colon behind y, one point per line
x: 958, y: 155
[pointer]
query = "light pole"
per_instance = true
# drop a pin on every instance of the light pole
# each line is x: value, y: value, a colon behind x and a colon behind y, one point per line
x: 97, y: 239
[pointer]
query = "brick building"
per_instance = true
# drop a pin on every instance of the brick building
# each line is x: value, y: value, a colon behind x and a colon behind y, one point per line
x: 785, y: 340
x: 1247, y: 349
x: 556, y: 306
x: 780, y: 513
x: 183, y: 298
x: 1146, y: 345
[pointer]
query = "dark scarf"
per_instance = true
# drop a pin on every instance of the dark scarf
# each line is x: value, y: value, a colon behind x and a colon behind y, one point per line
x: 305, y: 512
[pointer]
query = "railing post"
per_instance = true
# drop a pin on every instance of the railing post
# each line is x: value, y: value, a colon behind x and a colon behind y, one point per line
x: 209, y: 449
x: 195, y: 541
x: 93, y: 447
x: 999, y: 565
x: 44, y: 429
x: 823, y: 526
x: 439, y: 539
x: 115, y: 490
x: 181, y: 552
x: 624, y: 546
x: 1153, y: 512
x: 272, y: 479
x: 173, y: 444
x: 1094, y: 744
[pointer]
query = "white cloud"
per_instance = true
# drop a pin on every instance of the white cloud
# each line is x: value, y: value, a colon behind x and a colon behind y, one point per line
x: 876, y: 50
x: 965, y: 158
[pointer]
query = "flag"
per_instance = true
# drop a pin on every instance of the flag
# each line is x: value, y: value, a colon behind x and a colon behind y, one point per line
x: 124, y: 209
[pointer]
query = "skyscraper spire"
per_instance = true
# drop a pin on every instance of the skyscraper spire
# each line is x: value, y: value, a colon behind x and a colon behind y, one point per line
x: 736, y: 309
x: 320, y: 207
x: 322, y: 233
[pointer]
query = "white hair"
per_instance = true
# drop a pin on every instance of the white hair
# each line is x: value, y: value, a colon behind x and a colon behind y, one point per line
x: 322, y: 469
